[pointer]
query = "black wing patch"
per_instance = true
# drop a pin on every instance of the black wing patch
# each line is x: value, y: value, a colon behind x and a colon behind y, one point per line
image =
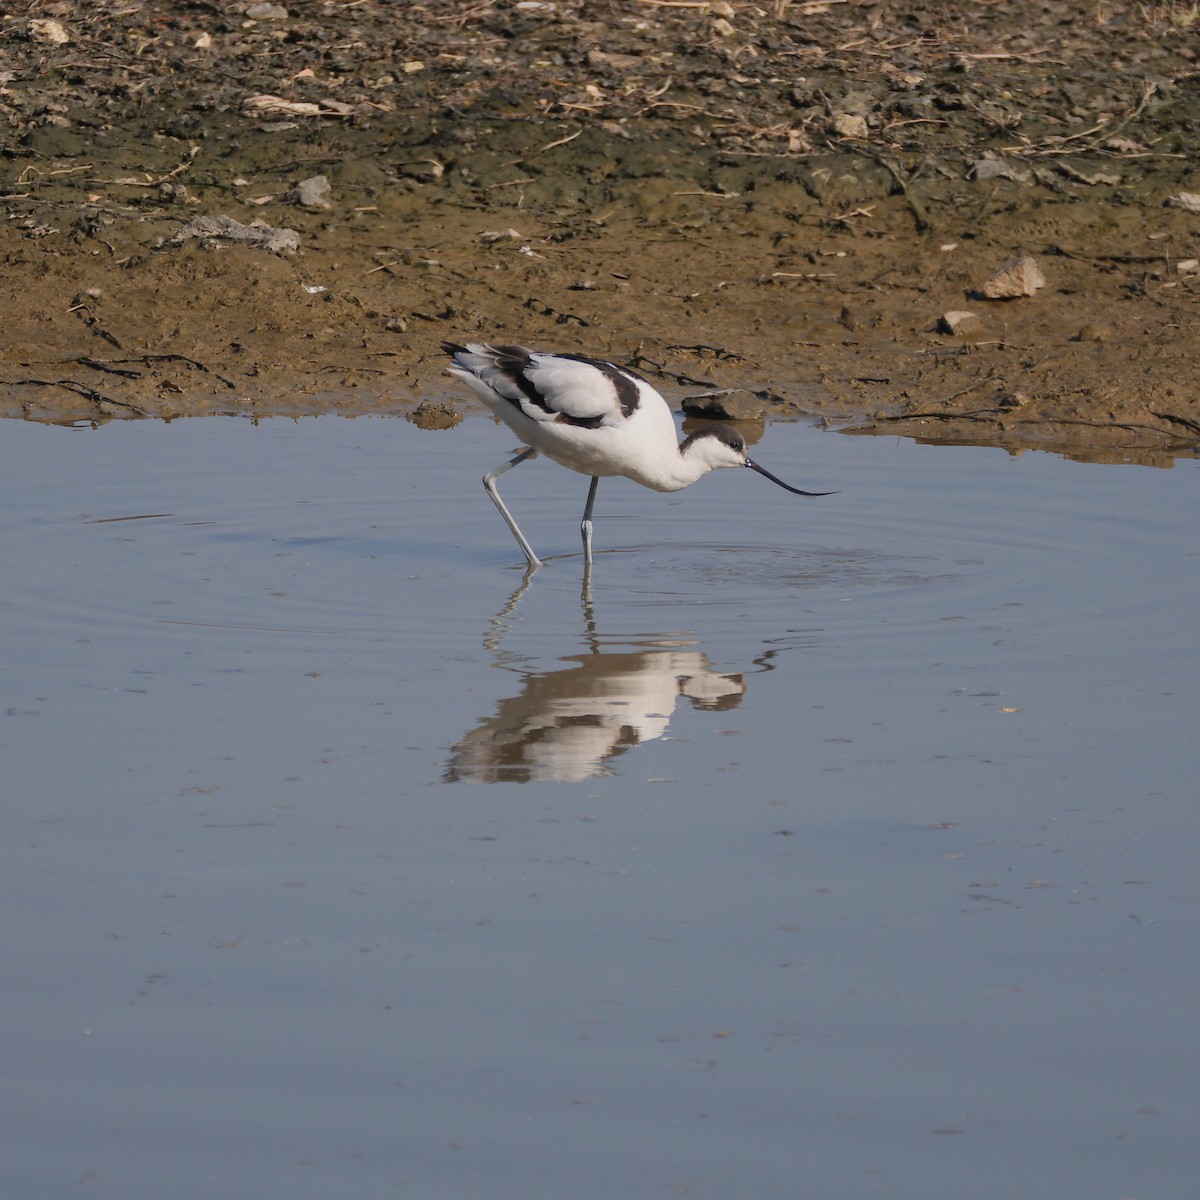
x: 515, y: 361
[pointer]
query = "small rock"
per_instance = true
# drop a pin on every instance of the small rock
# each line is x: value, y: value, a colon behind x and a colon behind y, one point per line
x: 276, y: 106
x: 997, y: 115
x: 850, y: 125
x: 722, y: 28
x: 267, y: 12
x: 1020, y: 276
x: 1089, y: 173
x: 1188, y: 266
x: 501, y: 235
x: 728, y: 404
x: 602, y: 60
x: 312, y: 193
x: 214, y: 230
x: 434, y: 416
x: 959, y: 324
x: 918, y: 108
x: 53, y: 33
x: 1000, y: 168
x: 596, y: 285
x: 1188, y: 201
x: 424, y: 169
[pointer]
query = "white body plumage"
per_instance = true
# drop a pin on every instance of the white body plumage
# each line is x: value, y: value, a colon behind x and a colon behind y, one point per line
x: 593, y: 417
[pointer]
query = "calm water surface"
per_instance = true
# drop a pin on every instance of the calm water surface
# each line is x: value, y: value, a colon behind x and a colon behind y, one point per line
x: 830, y: 848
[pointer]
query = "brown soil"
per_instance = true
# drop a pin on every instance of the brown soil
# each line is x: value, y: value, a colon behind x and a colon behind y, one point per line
x: 778, y: 197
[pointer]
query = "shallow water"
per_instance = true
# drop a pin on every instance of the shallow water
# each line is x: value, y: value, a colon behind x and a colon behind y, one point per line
x: 840, y: 847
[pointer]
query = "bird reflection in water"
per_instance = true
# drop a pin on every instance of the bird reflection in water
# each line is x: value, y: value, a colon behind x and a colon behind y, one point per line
x: 567, y: 725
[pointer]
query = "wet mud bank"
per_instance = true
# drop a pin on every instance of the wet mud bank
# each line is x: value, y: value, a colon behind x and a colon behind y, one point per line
x: 800, y: 201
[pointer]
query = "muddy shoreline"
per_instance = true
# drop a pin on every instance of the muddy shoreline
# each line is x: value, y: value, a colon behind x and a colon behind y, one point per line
x: 785, y: 199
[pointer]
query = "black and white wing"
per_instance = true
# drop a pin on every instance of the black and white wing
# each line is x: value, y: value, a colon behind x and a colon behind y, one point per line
x: 564, y: 388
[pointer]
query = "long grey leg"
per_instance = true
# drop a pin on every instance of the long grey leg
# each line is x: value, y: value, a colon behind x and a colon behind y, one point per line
x: 489, y: 485
x: 586, y: 527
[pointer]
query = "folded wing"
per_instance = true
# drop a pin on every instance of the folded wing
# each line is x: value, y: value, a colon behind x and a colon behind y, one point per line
x: 551, y: 387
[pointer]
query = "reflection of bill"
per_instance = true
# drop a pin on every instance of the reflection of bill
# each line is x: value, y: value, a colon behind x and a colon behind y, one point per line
x: 565, y: 725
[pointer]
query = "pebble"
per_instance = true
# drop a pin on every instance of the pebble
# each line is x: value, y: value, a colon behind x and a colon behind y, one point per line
x: 312, y: 193
x: 1090, y: 173
x: 54, y: 33
x: 213, y: 230
x: 602, y: 60
x: 268, y: 105
x: 850, y: 125
x: 428, y: 415
x: 959, y: 323
x: 1020, y: 276
x: 728, y: 404
x: 424, y: 170
x: 1000, y: 168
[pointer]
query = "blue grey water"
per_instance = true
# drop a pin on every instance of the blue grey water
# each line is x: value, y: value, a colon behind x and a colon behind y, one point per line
x: 830, y: 848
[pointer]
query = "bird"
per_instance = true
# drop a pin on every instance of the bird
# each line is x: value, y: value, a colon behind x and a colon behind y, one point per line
x: 594, y: 417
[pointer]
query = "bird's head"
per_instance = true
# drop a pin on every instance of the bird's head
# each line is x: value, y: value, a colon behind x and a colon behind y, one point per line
x: 721, y: 446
